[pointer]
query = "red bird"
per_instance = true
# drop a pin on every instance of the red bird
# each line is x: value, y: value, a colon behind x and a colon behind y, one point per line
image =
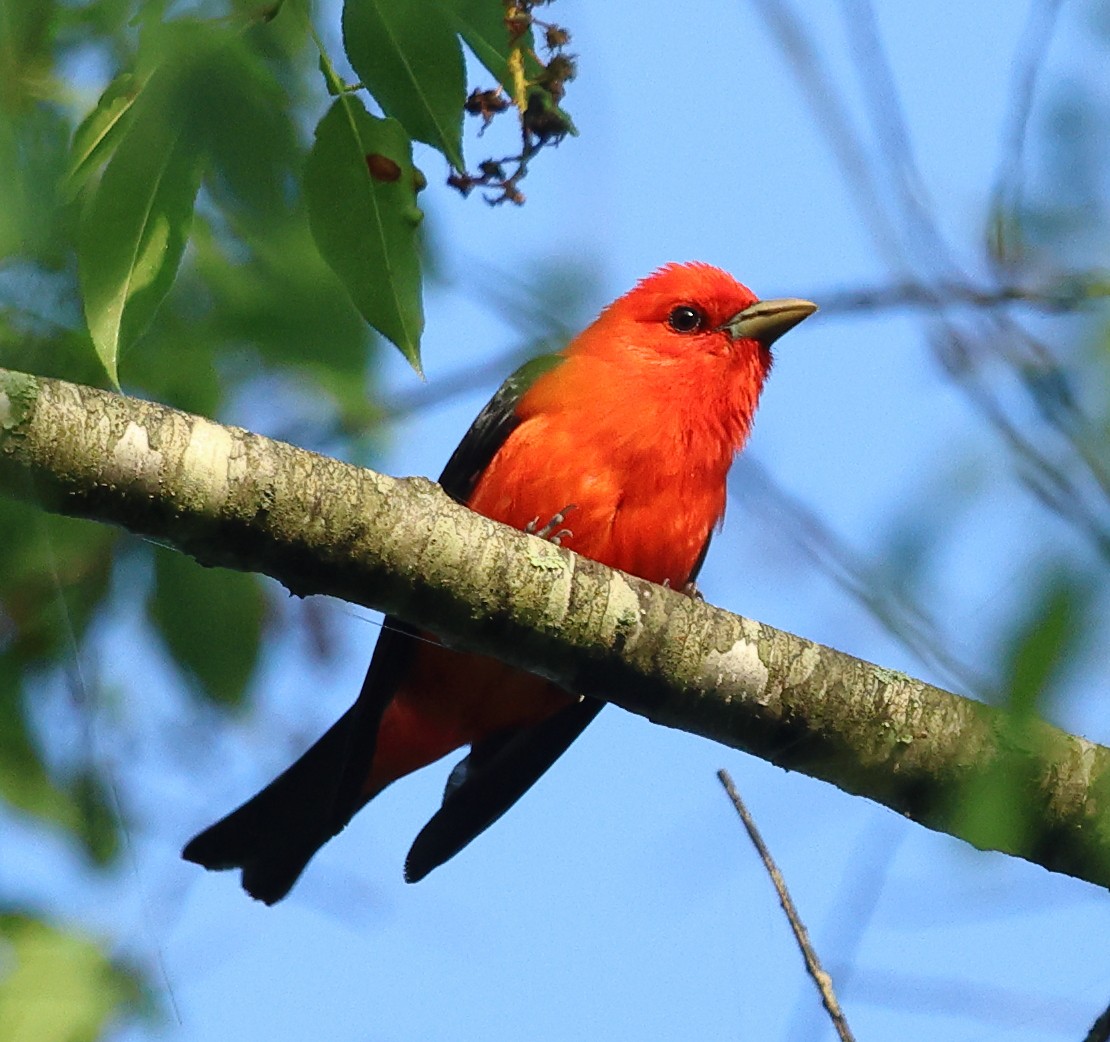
x: 635, y: 423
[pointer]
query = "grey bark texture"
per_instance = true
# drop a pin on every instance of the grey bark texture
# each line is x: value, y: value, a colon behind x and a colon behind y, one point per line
x: 234, y: 499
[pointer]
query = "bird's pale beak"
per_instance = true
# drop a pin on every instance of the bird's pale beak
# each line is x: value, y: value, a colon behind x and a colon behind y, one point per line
x: 767, y: 320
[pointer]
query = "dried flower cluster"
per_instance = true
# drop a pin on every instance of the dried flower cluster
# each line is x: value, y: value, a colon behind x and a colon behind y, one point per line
x: 536, y: 93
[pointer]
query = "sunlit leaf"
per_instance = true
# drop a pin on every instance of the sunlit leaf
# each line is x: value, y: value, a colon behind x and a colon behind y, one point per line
x: 56, y: 985
x: 101, y: 129
x: 482, y: 25
x: 365, y: 225
x: 408, y: 56
x: 133, y: 231
x: 211, y: 620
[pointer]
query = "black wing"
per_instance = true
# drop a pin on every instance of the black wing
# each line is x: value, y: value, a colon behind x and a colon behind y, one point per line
x: 490, y: 429
x: 496, y: 773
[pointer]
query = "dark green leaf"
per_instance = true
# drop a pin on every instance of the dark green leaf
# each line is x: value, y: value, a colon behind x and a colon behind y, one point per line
x: 24, y: 782
x: 288, y: 304
x: 33, y: 145
x: 80, y: 807
x: 53, y: 575
x: 211, y: 621
x: 365, y: 226
x: 408, y: 56
x: 998, y: 807
x: 26, y: 29
x: 98, y: 824
x: 251, y: 140
x: 1044, y: 641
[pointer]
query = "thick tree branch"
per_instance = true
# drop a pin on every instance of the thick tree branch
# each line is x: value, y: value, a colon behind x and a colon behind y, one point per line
x: 234, y: 499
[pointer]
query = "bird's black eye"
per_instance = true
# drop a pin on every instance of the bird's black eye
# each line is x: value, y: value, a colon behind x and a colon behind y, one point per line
x: 685, y: 319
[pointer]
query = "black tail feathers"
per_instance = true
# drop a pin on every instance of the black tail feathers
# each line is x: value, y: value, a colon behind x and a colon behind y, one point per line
x: 274, y: 835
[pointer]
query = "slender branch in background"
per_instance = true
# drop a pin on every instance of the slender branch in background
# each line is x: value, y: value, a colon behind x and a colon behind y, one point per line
x: 888, y: 122
x: 1100, y: 1029
x: 1007, y: 196
x: 1065, y: 293
x: 1035, y: 365
x: 462, y: 381
x: 813, y: 964
x: 995, y: 333
x: 832, y: 115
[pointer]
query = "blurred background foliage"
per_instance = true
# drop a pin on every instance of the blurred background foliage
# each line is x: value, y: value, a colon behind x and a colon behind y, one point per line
x: 254, y: 321
x: 255, y: 314
x: 257, y: 324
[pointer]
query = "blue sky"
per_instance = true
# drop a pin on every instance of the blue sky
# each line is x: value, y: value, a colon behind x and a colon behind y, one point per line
x: 619, y: 899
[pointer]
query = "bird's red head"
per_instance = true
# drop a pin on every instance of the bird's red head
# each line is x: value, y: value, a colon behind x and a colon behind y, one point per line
x: 678, y: 361
x: 690, y: 310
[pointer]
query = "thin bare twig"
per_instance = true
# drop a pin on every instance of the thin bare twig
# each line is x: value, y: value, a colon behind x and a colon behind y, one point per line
x: 903, y: 229
x: 813, y: 964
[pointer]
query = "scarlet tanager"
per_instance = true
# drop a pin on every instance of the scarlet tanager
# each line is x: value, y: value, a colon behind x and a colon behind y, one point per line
x: 635, y: 423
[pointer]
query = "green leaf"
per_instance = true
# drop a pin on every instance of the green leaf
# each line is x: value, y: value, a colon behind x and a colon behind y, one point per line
x: 998, y: 808
x: 58, y: 986
x: 288, y: 304
x: 100, y: 130
x: 33, y: 143
x: 365, y: 226
x: 24, y: 782
x: 1044, y: 641
x: 408, y: 56
x: 211, y: 620
x: 134, y: 229
x: 481, y: 24
x: 81, y: 807
x: 250, y: 136
x: 54, y: 573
